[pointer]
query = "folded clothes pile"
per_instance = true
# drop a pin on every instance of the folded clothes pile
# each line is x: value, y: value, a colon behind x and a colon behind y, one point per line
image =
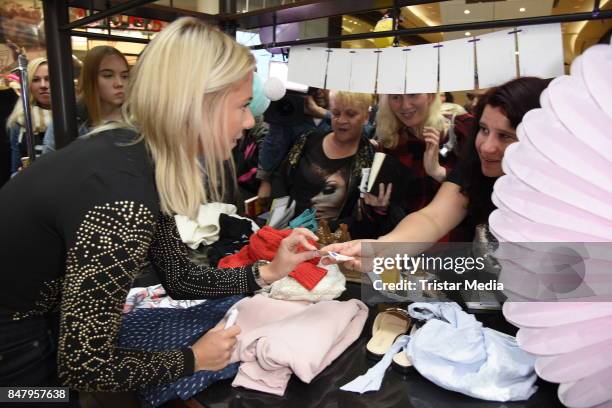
x: 205, y: 228
x: 279, y: 338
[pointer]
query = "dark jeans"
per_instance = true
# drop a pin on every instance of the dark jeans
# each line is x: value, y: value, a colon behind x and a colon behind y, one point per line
x: 28, y: 351
x: 28, y: 356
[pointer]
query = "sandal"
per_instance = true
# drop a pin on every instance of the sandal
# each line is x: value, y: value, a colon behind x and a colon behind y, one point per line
x: 387, y: 326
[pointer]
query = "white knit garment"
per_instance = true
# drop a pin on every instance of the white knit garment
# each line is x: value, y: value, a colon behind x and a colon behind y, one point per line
x: 330, y: 287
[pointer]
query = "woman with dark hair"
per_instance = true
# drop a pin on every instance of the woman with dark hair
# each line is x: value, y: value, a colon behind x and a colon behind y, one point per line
x: 466, y: 193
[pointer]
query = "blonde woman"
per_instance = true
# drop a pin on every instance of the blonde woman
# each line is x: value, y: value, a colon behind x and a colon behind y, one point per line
x: 412, y: 128
x: 40, y: 106
x: 96, y: 210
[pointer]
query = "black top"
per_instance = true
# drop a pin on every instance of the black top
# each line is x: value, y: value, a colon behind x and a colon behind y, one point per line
x: 320, y: 182
x: 90, y: 213
x: 456, y: 176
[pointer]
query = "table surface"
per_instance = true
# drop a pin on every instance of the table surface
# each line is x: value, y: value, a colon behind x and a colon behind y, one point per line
x: 397, y: 390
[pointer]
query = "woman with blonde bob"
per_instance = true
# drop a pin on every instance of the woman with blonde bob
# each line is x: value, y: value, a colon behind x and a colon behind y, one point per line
x: 103, y: 206
x: 412, y: 129
x: 323, y: 169
x: 40, y: 107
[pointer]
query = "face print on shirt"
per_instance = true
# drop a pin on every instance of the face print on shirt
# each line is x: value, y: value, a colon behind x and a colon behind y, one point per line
x: 328, y: 202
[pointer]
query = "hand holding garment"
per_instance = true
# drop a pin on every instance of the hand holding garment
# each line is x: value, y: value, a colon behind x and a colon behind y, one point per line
x: 263, y: 245
x: 167, y: 329
x: 280, y: 337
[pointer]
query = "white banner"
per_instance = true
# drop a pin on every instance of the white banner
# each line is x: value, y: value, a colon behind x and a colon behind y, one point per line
x: 339, y: 69
x: 392, y: 71
x: 457, y: 66
x: 541, y: 51
x: 307, y: 65
x: 363, y: 70
x: 496, y: 59
x: 422, y: 69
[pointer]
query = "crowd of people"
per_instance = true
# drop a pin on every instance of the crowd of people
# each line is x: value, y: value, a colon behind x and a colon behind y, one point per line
x: 155, y: 141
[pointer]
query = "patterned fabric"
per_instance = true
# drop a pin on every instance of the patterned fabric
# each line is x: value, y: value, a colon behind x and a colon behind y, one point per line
x: 157, y: 330
x: 153, y: 297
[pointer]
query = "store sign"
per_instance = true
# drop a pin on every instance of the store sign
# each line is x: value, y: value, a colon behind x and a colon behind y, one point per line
x: 122, y: 22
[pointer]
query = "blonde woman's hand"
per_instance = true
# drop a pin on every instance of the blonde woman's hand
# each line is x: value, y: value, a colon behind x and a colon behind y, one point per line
x: 431, y: 160
x: 292, y: 251
x: 380, y: 202
x: 213, y: 350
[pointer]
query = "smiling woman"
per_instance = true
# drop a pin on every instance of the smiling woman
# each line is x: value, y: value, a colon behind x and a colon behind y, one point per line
x: 467, y: 190
x: 412, y: 129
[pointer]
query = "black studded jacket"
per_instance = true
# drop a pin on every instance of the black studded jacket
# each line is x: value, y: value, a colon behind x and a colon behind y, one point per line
x: 76, y: 226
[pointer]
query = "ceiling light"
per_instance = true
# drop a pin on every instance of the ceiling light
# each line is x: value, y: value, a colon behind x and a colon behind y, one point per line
x: 522, y: 9
x: 466, y: 11
x: 467, y: 33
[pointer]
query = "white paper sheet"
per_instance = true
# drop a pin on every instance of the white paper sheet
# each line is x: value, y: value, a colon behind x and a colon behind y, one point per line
x: 457, y: 68
x: 339, y: 69
x: 422, y: 69
x: 307, y: 65
x: 541, y: 50
x: 392, y: 71
x: 495, y: 58
x: 363, y: 70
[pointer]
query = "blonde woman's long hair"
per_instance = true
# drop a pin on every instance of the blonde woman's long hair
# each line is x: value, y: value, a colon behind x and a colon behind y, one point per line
x: 388, y: 126
x: 176, y: 100
x: 16, y: 115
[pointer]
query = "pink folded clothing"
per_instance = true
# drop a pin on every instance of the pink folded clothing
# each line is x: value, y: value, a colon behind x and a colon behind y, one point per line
x: 281, y: 337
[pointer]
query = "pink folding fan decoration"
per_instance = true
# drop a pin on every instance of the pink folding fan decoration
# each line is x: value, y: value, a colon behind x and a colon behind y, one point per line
x: 557, y: 194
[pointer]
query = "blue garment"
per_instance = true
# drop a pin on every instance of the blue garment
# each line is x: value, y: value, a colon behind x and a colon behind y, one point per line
x: 13, y: 134
x: 49, y: 138
x: 166, y: 329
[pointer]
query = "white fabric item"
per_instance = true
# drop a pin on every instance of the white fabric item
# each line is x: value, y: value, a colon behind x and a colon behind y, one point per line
x: 330, y: 287
x: 455, y: 352
x: 205, y: 228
